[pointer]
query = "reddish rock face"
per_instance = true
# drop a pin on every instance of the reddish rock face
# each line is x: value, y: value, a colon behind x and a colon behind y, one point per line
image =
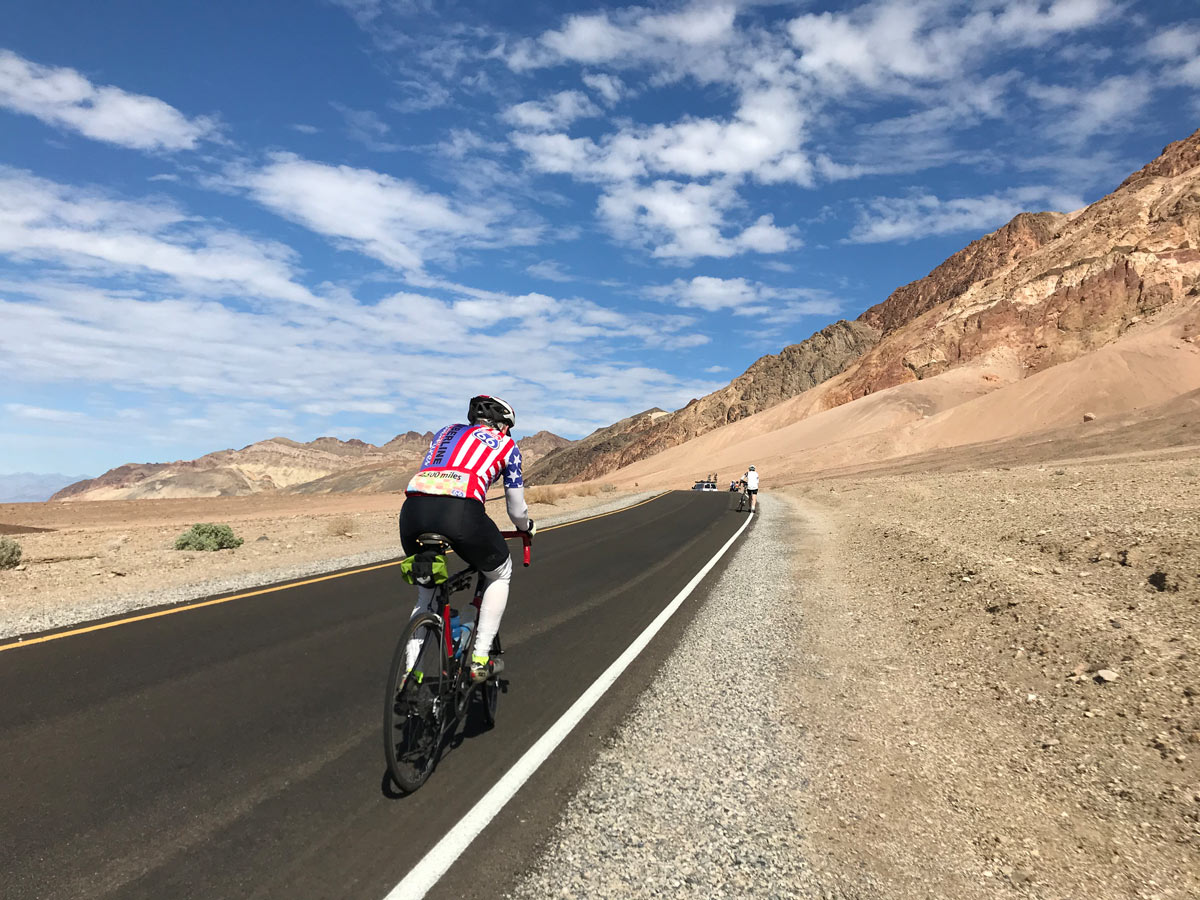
x: 980, y: 259
x: 1046, y: 297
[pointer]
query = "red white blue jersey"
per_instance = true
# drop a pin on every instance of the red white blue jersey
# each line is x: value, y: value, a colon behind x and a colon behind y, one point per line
x: 463, y: 460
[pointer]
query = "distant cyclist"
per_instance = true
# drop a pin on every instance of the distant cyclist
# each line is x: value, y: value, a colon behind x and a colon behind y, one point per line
x: 447, y: 495
x: 751, y: 481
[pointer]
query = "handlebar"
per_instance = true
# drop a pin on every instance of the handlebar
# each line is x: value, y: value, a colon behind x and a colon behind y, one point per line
x: 525, y: 539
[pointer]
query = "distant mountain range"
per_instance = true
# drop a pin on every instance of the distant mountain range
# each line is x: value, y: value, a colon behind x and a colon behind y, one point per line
x: 32, y: 487
x: 326, y: 465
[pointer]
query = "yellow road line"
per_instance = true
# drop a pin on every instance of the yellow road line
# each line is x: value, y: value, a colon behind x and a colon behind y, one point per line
x: 184, y: 607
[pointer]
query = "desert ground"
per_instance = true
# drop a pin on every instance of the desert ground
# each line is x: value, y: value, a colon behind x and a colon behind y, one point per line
x: 1000, y: 676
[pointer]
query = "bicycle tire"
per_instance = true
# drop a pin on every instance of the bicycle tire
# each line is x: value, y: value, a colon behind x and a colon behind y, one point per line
x: 414, y: 710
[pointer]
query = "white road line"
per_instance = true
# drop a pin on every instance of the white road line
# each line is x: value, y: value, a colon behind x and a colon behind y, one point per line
x: 425, y: 874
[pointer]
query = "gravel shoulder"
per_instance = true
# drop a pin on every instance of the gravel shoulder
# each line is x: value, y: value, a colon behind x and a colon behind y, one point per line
x: 102, y: 558
x: 699, y: 793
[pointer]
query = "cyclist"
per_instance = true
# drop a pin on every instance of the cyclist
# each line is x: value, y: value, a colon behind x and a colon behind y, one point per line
x: 751, y: 481
x: 447, y: 495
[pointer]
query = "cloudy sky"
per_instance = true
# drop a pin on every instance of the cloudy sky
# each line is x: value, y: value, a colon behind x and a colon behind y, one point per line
x: 220, y: 223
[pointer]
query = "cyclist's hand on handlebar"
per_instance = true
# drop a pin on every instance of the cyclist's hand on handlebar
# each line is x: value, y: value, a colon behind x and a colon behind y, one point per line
x: 531, y: 530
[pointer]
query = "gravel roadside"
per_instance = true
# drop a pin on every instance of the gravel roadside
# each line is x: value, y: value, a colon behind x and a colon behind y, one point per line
x: 31, y: 614
x: 697, y: 795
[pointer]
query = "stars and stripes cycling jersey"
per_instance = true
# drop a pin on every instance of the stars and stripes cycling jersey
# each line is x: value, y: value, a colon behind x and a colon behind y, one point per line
x: 463, y: 460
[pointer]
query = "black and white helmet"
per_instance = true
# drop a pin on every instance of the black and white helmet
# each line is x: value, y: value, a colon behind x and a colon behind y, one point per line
x: 492, y: 410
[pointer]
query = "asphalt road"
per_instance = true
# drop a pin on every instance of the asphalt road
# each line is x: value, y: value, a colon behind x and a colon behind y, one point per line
x: 234, y: 750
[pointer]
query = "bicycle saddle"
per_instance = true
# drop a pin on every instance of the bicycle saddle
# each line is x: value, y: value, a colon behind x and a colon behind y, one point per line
x: 433, y: 541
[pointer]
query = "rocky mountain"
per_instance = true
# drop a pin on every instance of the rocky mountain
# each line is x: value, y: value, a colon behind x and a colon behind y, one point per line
x: 1047, y: 297
x: 977, y: 261
x: 324, y: 465
x: 1044, y: 289
x: 770, y: 380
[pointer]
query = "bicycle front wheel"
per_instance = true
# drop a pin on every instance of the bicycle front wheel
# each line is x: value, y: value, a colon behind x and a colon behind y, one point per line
x: 415, y: 707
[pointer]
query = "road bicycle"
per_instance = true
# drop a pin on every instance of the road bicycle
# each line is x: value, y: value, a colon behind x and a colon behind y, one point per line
x: 428, y: 699
x: 743, y: 500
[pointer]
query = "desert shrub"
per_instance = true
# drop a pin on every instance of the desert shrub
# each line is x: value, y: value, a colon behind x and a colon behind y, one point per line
x: 10, y: 553
x: 608, y: 487
x: 342, y: 526
x: 548, y: 494
x: 207, y: 536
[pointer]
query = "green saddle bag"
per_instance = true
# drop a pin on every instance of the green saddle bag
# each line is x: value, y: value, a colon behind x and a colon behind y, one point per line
x: 424, y: 569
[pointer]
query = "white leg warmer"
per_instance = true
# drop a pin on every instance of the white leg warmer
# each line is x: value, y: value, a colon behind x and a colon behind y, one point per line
x: 424, y: 599
x: 491, y: 609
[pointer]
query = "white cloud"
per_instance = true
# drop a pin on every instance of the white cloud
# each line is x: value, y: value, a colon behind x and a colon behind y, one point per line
x: 41, y: 414
x: 764, y: 140
x: 64, y: 98
x: 687, y: 220
x: 81, y: 229
x: 556, y: 111
x: 1080, y: 113
x: 609, y: 87
x: 1180, y: 45
x: 556, y: 359
x: 746, y: 298
x: 393, y: 220
x: 627, y: 36
x: 909, y: 218
x: 304, y: 128
x: 894, y: 47
x: 550, y: 270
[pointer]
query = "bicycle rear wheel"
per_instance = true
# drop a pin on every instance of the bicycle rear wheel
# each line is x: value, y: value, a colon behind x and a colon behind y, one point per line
x: 415, y: 707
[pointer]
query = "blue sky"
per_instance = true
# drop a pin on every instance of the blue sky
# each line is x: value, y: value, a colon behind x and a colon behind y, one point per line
x: 221, y: 222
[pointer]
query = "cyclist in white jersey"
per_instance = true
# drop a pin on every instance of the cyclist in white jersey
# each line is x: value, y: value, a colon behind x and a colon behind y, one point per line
x: 751, y: 480
x: 446, y: 497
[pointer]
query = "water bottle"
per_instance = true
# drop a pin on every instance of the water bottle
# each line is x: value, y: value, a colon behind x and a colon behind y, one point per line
x: 455, y: 626
x: 465, y: 638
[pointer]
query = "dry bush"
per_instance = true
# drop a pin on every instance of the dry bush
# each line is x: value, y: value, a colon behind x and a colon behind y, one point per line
x: 608, y: 487
x: 548, y: 494
x: 10, y: 553
x: 342, y: 526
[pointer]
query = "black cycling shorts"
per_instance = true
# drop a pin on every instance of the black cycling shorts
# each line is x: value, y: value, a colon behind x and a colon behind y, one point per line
x: 751, y: 490
x: 472, y: 534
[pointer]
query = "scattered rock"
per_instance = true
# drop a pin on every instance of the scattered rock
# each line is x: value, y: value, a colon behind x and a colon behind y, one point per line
x: 1104, y: 676
x: 1089, y: 417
